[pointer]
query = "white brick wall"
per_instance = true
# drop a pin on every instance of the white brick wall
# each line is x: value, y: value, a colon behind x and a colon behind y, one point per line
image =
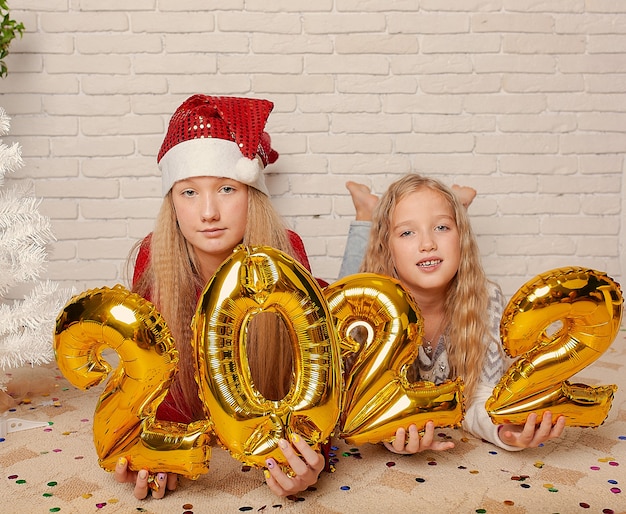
x: 524, y: 100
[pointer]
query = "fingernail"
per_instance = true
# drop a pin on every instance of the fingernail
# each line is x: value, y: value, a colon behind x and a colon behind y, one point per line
x: 161, y: 477
x: 121, y: 462
x: 270, y: 463
x: 295, y: 438
x: 143, y: 474
x: 283, y: 443
x: 266, y: 473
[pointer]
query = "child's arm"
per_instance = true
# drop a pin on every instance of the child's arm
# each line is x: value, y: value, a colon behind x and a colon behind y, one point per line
x: 408, y: 444
x: 306, y: 468
x: 164, y: 481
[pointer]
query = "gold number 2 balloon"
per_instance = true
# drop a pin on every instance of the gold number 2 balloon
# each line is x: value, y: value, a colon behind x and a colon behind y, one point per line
x: 379, y: 398
x: 124, y: 421
x: 558, y: 323
x: 252, y: 281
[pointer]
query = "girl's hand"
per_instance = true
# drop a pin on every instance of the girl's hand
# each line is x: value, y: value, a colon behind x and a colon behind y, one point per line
x: 164, y: 481
x: 414, y: 443
x: 306, y: 469
x: 530, y: 435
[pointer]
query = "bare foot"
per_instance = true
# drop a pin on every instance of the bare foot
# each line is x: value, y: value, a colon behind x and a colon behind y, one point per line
x: 363, y: 199
x: 465, y: 193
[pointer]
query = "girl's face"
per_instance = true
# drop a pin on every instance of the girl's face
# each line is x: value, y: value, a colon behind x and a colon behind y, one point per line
x: 424, y: 242
x: 212, y: 214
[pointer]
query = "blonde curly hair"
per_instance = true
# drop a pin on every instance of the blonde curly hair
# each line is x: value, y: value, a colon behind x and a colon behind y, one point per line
x: 465, y: 310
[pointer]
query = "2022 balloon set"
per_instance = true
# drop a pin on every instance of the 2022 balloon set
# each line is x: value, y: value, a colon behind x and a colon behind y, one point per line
x: 556, y: 325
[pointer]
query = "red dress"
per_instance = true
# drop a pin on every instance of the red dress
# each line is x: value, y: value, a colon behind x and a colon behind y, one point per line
x: 170, y: 409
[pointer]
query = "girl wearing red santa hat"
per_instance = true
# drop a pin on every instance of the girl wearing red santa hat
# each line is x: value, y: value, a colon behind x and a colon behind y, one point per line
x: 215, y: 197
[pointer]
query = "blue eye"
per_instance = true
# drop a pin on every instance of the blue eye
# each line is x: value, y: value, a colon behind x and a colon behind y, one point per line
x: 227, y: 189
x: 187, y: 192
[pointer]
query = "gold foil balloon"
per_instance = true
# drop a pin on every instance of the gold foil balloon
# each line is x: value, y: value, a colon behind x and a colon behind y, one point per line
x: 124, y: 421
x: 252, y: 281
x: 558, y: 323
x: 379, y: 399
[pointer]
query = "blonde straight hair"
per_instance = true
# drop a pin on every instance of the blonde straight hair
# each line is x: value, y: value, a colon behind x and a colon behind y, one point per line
x: 467, y: 298
x: 172, y: 282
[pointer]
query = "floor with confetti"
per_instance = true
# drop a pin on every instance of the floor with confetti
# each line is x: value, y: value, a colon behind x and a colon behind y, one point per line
x: 53, y: 468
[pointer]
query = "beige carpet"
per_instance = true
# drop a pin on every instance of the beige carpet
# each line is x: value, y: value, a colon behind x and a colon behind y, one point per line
x: 55, y: 469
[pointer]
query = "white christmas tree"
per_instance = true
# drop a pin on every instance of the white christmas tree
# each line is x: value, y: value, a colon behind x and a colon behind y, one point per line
x: 26, y: 322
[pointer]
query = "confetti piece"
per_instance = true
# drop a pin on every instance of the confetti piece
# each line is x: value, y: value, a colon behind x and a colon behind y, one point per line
x: 245, y: 509
x: 492, y: 452
x: 390, y: 464
x: 539, y: 464
x: 594, y: 468
x: 87, y: 495
x: 509, y: 502
x: 12, y: 477
x: 20, y: 481
x: 187, y: 506
x: 55, y: 509
x: 420, y: 480
x: 584, y: 505
x: 548, y: 486
x: 474, y: 471
x: 615, y: 490
x: 525, y: 486
x: 47, y: 495
x: 52, y: 484
x: 345, y: 488
x: 100, y: 505
x: 613, y: 463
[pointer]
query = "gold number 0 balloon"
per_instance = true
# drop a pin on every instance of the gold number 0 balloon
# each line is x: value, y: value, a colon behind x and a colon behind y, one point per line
x: 588, y: 306
x: 251, y: 281
x: 379, y: 398
x: 124, y: 423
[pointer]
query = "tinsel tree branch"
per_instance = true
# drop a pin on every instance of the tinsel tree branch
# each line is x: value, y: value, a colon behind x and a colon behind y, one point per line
x: 26, y: 325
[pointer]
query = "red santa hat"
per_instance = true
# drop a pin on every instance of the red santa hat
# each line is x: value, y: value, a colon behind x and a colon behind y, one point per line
x: 217, y: 136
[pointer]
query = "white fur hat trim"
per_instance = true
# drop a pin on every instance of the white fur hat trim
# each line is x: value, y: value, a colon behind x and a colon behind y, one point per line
x: 210, y: 157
